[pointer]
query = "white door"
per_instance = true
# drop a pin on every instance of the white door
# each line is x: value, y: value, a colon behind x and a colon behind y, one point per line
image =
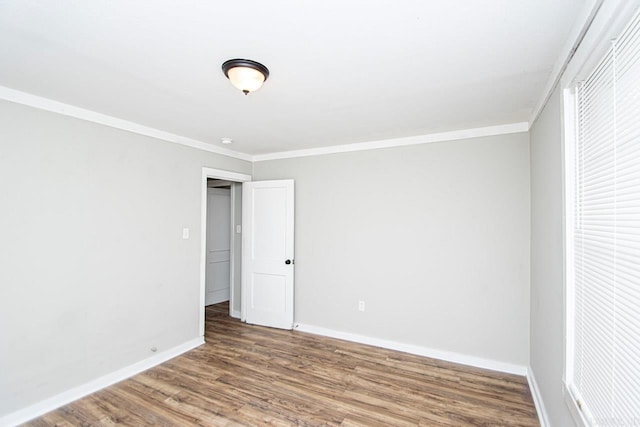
x: 217, y: 274
x: 267, y: 253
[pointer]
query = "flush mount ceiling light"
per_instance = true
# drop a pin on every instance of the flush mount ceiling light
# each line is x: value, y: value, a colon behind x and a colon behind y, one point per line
x: 245, y: 74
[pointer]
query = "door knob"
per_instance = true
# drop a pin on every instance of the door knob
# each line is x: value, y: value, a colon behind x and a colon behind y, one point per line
x: 288, y: 262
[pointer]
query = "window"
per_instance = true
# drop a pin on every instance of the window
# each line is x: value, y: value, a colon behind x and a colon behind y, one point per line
x: 603, y: 239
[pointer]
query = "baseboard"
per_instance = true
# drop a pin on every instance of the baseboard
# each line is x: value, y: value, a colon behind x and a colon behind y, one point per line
x: 216, y: 297
x: 464, y: 359
x: 235, y: 314
x: 30, y: 412
x: 537, y: 399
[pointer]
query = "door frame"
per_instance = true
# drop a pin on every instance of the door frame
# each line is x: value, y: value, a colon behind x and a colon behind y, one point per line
x: 229, y: 176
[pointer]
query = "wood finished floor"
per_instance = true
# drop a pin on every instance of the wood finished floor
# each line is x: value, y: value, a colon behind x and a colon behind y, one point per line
x: 249, y: 376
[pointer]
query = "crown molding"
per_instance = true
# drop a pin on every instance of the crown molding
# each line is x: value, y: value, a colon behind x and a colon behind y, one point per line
x: 400, y: 142
x: 47, y: 104
x: 583, y: 21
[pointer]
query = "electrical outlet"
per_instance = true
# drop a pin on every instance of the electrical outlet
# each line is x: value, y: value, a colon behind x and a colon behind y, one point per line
x: 360, y: 305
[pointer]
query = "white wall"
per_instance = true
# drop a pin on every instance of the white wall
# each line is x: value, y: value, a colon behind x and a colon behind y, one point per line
x: 93, y: 268
x: 547, y: 289
x: 434, y: 238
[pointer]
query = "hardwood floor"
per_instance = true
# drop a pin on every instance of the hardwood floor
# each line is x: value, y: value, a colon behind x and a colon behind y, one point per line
x: 248, y: 376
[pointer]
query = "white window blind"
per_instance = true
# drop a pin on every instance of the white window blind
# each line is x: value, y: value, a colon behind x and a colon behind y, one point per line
x: 604, y: 351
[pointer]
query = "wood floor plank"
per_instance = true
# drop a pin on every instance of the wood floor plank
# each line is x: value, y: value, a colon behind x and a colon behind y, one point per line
x: 249, y: 375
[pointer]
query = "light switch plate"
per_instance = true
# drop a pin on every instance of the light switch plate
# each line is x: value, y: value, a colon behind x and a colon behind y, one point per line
x: 185, y: 233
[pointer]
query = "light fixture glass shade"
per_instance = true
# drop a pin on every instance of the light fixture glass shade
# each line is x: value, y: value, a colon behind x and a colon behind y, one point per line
x: 246, y: 79
x: 245, y: 74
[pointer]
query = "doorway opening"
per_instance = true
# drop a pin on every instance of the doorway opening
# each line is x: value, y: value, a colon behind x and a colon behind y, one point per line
x: 220, y: 262
x: 221, y: 242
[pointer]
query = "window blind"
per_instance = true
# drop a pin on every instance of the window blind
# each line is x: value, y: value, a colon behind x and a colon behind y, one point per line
x: 604, y: 358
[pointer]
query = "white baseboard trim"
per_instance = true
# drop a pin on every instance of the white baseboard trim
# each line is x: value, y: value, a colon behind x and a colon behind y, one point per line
x: 30, y: 412
x: 537, y: 399
x: 449, y: 356
x: 235, y: 314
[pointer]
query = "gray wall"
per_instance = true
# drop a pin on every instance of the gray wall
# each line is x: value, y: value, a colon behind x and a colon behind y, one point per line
x: 547, y: 289
x: 93, y: 268
x: 94, y: 271
x: 434, y: 238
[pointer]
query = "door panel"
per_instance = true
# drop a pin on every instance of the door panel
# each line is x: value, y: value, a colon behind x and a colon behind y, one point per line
x: 267, y: 280
x: 268, y: 245
x: 269, y: 293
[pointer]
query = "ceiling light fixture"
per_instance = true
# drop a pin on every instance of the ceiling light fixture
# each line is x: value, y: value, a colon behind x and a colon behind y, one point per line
x: 245, y: 74
x: 226, y: 140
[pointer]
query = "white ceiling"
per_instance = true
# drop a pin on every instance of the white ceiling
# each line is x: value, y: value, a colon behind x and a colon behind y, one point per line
x: 342, y: 71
